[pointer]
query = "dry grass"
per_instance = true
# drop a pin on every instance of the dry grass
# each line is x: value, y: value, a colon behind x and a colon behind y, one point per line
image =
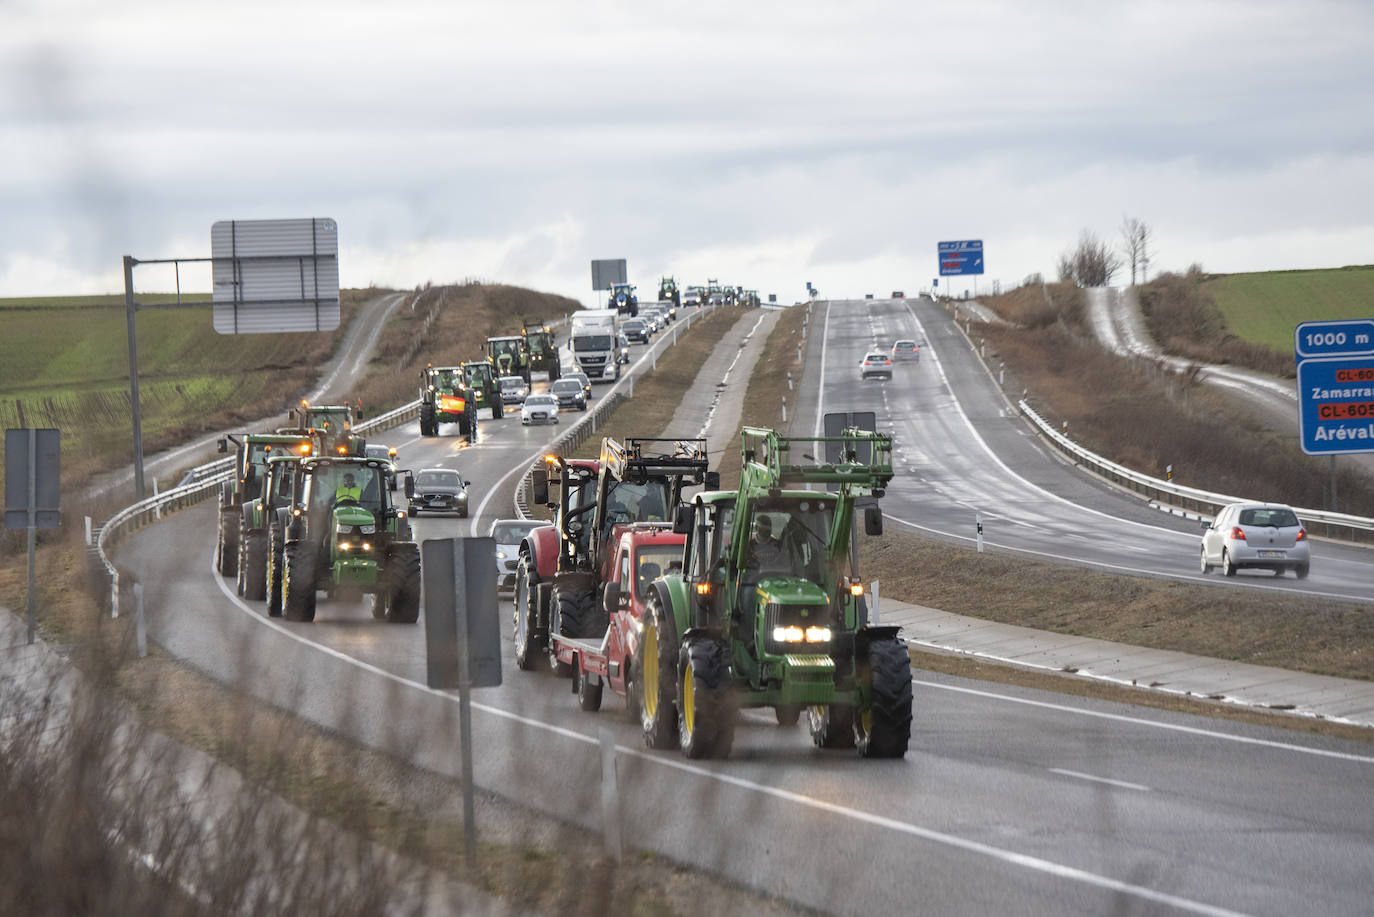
x: 1183, y: 317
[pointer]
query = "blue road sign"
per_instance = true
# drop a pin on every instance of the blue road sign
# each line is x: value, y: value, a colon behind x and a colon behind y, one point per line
x: 1335, y: 386
x: 965, y: 257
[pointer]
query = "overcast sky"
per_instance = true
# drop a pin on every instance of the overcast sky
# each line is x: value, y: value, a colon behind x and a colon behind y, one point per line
x: 764, y: 144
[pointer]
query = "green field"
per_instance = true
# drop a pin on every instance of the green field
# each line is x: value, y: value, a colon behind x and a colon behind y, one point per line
x: 1265, y: 307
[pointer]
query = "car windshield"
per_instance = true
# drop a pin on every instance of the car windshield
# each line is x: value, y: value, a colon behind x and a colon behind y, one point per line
x: 1276, y: 516
x: 875, y: 358
x: 539, y: 400
x: 567, y: 385
x: 379, y: 452
x: 437, y: 478
x: 512, y: 532
x: 653, y: 561
x: 906, y: 345
x: 633, y: 326
x: 592, y: 342
x: 512, y: 382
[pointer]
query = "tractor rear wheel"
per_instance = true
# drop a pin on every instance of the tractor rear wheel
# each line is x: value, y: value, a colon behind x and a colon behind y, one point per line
x: 655, y: 673
x: 298, y: 581
x: 705, y: 712
x: 428, y: 427
x: 527, y: 643
x: 883, y: 730
x: 832, y: 726
x: 573, y: 616
x: 227, y: 546
x: 402, y: 579
x: 588, y: 694
x: 253, y: 567
x: 275, y: 562
x: 497, y: 408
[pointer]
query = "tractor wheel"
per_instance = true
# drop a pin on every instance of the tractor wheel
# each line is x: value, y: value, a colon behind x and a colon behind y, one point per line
x: 633, y: 701
x: 573, y: 616
x: 227, y: 548
x: 705, y: 712
x: 554, y: 373
x: 655, y: 672
x: 298, y: 581
x: 253, y: 567
x: 787, y: 714
x: 527, y: 643
x: 240, y: 573
x: 884, y: 728
x: 427, y: 425
x: 497, y: 407
x: 832, y: 726
x: 274, y: 570
x: 402, y: 579
x: 588, y: 694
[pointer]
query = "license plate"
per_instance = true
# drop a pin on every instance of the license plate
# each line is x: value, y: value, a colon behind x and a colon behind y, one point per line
x: 1270, y: 553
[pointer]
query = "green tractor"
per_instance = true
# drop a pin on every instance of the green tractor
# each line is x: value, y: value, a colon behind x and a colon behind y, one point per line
x: 481, y: 381
x: 239, y: 495
x: 768, y: 610
x: 346, y: 537
x: 445, y: 398
x: 543, y: 350
x: 508, y: 356
x: 273, y: 514
x: 668, y: 292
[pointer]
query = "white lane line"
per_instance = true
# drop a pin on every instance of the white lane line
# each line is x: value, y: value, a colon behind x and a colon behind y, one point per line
x: 1156, y: 724
x: 1123, y: 784
x: 1010, y: 857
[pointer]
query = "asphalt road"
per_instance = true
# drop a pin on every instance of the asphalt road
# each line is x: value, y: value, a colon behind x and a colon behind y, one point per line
x: 1009, y: 801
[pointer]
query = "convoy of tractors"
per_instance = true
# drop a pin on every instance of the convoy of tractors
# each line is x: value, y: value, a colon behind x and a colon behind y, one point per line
x: 688, y: 601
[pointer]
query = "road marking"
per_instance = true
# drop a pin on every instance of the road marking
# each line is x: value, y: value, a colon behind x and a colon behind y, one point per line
x: 1107, y: 780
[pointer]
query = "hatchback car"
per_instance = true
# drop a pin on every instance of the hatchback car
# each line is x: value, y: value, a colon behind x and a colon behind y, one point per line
x: 513, y: 389
x: 876, y: 365
x: 539, y: 409
x: 636, y: 330
x: 569, y: 394
x: 1268, y: 536
x: 386, y: 454
x: 906, y: 350
x: 585, y: 379
x: 437, y: 490
x: 508, y: 533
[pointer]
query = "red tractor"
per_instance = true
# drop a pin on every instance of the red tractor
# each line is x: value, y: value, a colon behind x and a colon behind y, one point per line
x: 563, y: 569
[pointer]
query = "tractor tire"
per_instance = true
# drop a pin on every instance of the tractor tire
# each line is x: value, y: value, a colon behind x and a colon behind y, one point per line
x: 832, y: 726
x: 526, y: 617
x: 275, y: 561
x: 239, y: 574
x: 402, y: 579
x: 588, y: 694
x: 498, y: 409
x: 655, y: 672
x: 428, y: 426
x: 573, y: 615
x: 554, y: 373
x: 705, y: 708
x: 787, y: 714
x: 298, y: 581
x: 227, y: 546
x: 884, y: 729
x: 253, y: 567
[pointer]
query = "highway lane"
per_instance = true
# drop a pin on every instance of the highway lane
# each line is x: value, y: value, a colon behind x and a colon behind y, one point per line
x: 1010, y: 800
x: 961, y: 452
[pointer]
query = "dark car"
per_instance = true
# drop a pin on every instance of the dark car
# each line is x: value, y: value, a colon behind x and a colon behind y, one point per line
x: 569, y: 394
x: 437, y: 490
x: 636, y: 330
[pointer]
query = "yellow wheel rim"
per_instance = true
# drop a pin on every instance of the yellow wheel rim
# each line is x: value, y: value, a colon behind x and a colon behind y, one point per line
x: 688, y: 701
x: 649, y: 690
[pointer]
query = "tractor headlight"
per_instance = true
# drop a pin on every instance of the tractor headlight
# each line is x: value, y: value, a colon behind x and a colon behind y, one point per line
x: 818, y: 635
x: 788, y: 634
x: 345, y: 546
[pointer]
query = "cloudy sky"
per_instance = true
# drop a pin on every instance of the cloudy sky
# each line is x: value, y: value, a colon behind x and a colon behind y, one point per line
x: 765, y: 144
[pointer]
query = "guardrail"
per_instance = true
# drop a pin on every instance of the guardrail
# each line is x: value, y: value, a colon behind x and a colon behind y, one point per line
x: 1335, y: 525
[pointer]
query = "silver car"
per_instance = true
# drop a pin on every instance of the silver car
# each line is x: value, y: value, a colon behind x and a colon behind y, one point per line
x: 508, y: 533
x: 1268, y: 536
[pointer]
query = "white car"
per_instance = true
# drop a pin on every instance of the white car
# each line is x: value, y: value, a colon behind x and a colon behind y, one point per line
x: 513, y: 389
x: 508, y: 533
x: 1266, y: 536
x: 539, y: 409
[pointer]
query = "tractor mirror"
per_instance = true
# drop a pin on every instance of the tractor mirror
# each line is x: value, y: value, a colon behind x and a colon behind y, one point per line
x: 222, y: 445
x: 410, y: 486
x: 610, y: 599
x: 713, y: 480
x: 539, y: 486
x: 682, y: 521
x: 873, y: 521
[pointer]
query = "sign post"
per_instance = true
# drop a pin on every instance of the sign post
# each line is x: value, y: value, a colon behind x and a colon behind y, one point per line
x: 1335, y: 388
x: 32, y: 490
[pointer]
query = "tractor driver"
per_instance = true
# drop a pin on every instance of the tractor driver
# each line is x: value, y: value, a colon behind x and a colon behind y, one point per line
x: 765, y: 554
x: 348, y: 490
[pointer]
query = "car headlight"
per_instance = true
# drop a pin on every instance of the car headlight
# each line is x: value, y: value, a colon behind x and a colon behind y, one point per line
x: 462, y: 498
x: 500, y: 555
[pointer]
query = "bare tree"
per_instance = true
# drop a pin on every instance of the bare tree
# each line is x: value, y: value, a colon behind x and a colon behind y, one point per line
x: 1091, y: 264
x: 1135, y: 242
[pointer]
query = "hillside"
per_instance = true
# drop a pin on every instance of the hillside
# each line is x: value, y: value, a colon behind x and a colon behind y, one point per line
x: 1265, y: 307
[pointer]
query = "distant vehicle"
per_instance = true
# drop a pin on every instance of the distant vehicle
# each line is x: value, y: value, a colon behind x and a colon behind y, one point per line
x: 876, y: 365
x: 388, y: 455
x: 693, y: 296
x: 623, y: 299
x: 540, y: 409
x: 593, y: 343
x: 508, y: 533
x: 1268, y: 536
x: 513, y: 389
x: 570, y: 394
x: 906, y: 350
x: 868, y: 296
x: 898, y: 294
x: 582, y: 378
x: 622, y: 355
x: 636, y: 330
x: 439, y: 490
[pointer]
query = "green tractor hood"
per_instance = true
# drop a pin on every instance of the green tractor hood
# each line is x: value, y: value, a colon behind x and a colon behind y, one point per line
x: 790, y: 590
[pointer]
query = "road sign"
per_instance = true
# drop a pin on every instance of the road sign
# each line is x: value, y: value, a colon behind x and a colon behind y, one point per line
x: 1335, y: 386
x: 607, y: 272
x: 275, y: 275
x: 964, y: 257
x: 32, y: 478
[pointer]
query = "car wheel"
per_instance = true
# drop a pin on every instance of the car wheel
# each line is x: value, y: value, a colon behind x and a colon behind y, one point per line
x: 1227, y: 566
x: 1302, y: 570
x: 1206, y: 567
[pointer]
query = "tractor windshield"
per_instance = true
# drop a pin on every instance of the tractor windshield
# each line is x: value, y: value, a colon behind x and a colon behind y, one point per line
x: 790, y: 535
x: 345, y: 484
x: 477, y: 375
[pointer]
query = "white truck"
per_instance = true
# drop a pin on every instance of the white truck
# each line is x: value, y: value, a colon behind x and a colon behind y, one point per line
x: 593, y: 340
